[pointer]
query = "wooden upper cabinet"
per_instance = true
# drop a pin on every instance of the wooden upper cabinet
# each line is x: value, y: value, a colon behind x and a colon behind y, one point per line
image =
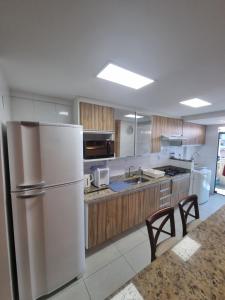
x: 194, y: 133
x: 164, y: 126
x: 96, y: 117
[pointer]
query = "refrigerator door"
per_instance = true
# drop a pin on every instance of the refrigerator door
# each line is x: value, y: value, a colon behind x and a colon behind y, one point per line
x: 42, y: 154
x: 49, y: 238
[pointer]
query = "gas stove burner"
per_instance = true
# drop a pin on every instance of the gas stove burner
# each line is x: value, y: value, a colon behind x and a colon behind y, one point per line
x: 172, y: 171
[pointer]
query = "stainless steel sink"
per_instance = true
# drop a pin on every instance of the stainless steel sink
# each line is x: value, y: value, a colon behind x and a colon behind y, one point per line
x: 136, y: 180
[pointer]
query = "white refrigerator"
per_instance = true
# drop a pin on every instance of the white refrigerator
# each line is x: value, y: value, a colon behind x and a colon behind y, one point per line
x: 46, y: 174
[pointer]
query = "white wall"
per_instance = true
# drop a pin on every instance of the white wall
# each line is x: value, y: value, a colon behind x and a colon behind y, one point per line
x: 32, y: 107
x: 208, y: 152
x: 150, y: 160
x: 5, y: 278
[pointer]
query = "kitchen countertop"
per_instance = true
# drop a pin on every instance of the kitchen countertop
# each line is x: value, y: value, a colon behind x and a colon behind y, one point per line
x: 103, y: 194
x: 194, y: 269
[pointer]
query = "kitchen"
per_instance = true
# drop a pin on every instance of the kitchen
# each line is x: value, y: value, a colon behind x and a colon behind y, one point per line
x: 138, y: 151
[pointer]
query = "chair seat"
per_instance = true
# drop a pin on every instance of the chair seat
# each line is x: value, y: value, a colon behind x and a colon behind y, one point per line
x: 166, y: 245
x: 193, y: 224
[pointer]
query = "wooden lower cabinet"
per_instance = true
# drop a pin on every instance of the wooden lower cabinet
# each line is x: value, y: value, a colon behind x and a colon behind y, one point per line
x: 96, y: 224
x: 113, y: 217
x: 180, y: 188
x: 110, y: 217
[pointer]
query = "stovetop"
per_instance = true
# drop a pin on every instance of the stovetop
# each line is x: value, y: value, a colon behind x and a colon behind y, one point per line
x: 173, y: 171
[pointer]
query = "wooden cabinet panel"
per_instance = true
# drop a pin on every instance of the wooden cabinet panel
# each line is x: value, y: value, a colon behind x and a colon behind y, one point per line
x: 132, y: 210
x: 113, y: 217
x: 194, y: 133
x: 151, y: 200
x: 96, y: 223
x: 180, y: 189
x: 96, y: 117
x: 164, y: 126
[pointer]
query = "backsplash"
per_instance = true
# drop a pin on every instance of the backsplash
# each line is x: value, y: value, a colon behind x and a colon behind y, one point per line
x: 150, y: 160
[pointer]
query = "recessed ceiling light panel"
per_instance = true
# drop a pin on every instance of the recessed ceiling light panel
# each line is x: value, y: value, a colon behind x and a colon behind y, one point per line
x: 196, y: 102
x: 133, y: 116
x: 64, y: 113
x: 124, y: 77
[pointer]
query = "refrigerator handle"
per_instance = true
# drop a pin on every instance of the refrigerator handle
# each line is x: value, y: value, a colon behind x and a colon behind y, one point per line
x: 31, y: 195
x: 28, y: 123
x: 27, y: 186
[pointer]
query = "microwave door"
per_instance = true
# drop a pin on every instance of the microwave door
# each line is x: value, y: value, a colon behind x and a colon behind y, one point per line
x: 110, y: 148
x: 95, y: 150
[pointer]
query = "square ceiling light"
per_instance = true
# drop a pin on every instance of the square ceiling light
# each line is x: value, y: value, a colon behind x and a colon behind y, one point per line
x: 195, y: 102
x: 132, y: 116
x: 124, y: 77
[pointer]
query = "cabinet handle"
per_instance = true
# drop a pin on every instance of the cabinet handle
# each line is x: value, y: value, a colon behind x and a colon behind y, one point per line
x: 30, y: 195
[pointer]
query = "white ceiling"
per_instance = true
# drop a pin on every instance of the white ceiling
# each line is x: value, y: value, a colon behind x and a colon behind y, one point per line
x: 56, y: 48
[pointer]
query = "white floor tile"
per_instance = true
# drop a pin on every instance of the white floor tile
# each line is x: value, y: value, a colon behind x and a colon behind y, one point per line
x: 130, y: 241
x: 107, y: 280
x: 75, y: 291
x: 139, y: 257
x: 144, y: 230
x: 96, y: 261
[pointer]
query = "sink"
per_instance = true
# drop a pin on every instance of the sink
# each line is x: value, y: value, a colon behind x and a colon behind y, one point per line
x: 136, y: 180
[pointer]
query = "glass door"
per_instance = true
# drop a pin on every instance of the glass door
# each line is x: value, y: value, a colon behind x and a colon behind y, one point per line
x: 220, y: 166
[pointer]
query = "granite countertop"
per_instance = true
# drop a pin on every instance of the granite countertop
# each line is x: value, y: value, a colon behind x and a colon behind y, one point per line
x: 193, y: 270
x: 102, y: 194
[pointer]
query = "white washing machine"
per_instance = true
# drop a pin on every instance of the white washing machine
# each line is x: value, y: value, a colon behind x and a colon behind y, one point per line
x: 200, y: 184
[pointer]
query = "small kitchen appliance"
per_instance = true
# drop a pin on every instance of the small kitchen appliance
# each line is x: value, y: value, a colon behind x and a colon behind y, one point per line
x: 88, y: 179
x: 101, y: 177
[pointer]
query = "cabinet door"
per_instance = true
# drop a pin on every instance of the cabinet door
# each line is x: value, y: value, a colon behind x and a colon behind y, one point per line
x: 87, y: 116
x: 164, y: 126
x: 194, y: 133
x: 124, y: 133
x: 113, y: 217
x: 151, y: 200
x: 180, y: 189
x: 96, y: 223
x: 96, y: 117
x: 132, y: 209
x: 107, y: 119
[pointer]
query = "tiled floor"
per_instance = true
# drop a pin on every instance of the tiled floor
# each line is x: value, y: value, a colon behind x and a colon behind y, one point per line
x: 112, y: 266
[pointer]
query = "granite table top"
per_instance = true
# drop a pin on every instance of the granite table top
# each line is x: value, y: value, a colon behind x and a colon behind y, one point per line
x: 194, y: 269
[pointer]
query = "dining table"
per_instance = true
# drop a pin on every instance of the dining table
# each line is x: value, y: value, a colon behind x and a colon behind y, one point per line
x: 194, y: 269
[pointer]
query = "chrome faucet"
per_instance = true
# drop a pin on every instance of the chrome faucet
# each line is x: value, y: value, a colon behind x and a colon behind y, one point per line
x: 129, y: 171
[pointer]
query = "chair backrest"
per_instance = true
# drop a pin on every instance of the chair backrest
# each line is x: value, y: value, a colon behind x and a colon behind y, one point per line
x: 185, y: 207
x: 168, y: 213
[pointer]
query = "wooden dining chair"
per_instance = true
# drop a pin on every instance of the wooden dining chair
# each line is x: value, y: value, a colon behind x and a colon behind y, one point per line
x: 153, y: 232
x: 185, y: 207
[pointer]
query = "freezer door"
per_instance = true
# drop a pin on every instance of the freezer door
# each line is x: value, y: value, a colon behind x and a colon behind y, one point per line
x: 49, y: 238
x: 44, y: 154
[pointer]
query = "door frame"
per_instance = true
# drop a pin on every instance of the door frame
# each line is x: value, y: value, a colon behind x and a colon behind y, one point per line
x: 218, y: 137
